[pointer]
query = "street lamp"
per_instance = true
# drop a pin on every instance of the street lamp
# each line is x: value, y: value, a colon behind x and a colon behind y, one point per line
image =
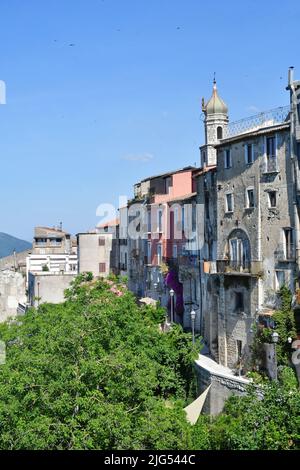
x: 275, y: 338
x: 289, y: 340
x: 172, y: 292
x: 193, y: 317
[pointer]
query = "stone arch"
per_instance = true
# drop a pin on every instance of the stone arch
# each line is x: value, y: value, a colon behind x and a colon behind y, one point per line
x: 238, y: 248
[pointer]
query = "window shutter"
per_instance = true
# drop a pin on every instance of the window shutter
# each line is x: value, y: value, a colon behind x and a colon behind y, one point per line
x: 102, y: 267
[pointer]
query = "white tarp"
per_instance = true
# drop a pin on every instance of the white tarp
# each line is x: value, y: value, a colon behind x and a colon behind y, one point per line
x: 193, y: 410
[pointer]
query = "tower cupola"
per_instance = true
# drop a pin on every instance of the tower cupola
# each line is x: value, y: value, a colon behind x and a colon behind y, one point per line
x: 215, y: 126
x: 215, y: 105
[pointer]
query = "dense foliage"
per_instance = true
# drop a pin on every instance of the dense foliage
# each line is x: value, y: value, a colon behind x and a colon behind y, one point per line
x: 94, y: 372
x: 284, y: 325
x: 97, y: 372
x: 267, y: 419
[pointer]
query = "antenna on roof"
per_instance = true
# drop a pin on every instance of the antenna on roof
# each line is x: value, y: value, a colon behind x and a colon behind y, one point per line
x: 214, y: 77
x: 60, y: 226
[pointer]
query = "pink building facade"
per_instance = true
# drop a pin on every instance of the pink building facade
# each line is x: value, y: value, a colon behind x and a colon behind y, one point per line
x: 167, y: 204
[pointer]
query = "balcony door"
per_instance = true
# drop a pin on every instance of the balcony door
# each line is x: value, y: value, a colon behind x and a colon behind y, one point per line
x: 239, y: 253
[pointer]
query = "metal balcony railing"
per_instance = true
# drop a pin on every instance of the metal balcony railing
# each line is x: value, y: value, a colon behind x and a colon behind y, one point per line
x: 272, y: 164
x: 233, y: 266
x: 254, y: 268
x: 258, y: 121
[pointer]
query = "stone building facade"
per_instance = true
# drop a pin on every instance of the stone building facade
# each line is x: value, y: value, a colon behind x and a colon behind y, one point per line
x: 12, y: 292
x: 162, y: 251
x: 95, y: 253
x: 256, y: 231
x: 53, y: 251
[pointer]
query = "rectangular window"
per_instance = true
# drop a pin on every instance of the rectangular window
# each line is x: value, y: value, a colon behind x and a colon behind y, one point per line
x: 159, y: 220
x: 149, y: 252
x: 206, y: 202
x: 249, y: 154
x: 102, y: 267
x: 272, y: 199
x: 227, y: 159
x: 194, y: 217
x: 149, y: 221
x: 279, y: 279
x: 271, y: 154
x: 174, y: 251
x: 55, y: 241
x: 101, y: 241
x: 168, y: 184
x: 159, y: 253
x: 176, y: 217
x: 229, y: 202
x: 41, y: 241
x: 288, y: 243
x: 239, y: 302
x: 250, y: 198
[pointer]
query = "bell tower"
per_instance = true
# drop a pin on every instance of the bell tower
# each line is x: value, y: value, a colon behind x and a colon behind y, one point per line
x: 215, y: 125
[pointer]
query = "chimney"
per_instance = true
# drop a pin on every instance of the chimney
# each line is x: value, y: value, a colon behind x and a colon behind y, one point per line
x: 291, y: 76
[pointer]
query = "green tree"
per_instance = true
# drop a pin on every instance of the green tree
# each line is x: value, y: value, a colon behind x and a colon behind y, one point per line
x: 285, y: 326
x: 267, y: 418
x: 95, y: 372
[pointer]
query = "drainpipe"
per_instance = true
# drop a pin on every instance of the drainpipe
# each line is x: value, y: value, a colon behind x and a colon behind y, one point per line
x: 259, y: 257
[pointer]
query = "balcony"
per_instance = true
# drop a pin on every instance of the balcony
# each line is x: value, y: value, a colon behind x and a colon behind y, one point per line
x: 272, y: 165
x: 285, y: 253
x: 234, y: 268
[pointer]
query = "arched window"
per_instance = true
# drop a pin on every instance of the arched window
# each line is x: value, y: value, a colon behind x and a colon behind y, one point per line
x: 219, y: 132
x: 239, y: 250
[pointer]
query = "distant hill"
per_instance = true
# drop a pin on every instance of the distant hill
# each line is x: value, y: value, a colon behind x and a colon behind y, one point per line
x: 8, y: 244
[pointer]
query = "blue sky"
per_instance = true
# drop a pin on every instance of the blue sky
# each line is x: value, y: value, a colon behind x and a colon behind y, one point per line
x: 102, y: 93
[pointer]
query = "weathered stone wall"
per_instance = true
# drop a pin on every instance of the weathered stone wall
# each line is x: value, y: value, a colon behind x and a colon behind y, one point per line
x: 12, y: 291
x: 207, y: 241
x: 48, y: 287
x: 91, y: 254
x: 262, y: 226
x: 222, y: 387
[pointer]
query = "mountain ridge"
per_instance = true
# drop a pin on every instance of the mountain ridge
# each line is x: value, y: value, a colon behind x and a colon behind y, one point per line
x: 9, y: 244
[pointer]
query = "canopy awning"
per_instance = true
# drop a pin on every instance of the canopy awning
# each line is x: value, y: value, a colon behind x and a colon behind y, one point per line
x: 193, y: 410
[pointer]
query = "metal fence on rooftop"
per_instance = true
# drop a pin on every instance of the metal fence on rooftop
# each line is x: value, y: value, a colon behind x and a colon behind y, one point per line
x: 261, y: 120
